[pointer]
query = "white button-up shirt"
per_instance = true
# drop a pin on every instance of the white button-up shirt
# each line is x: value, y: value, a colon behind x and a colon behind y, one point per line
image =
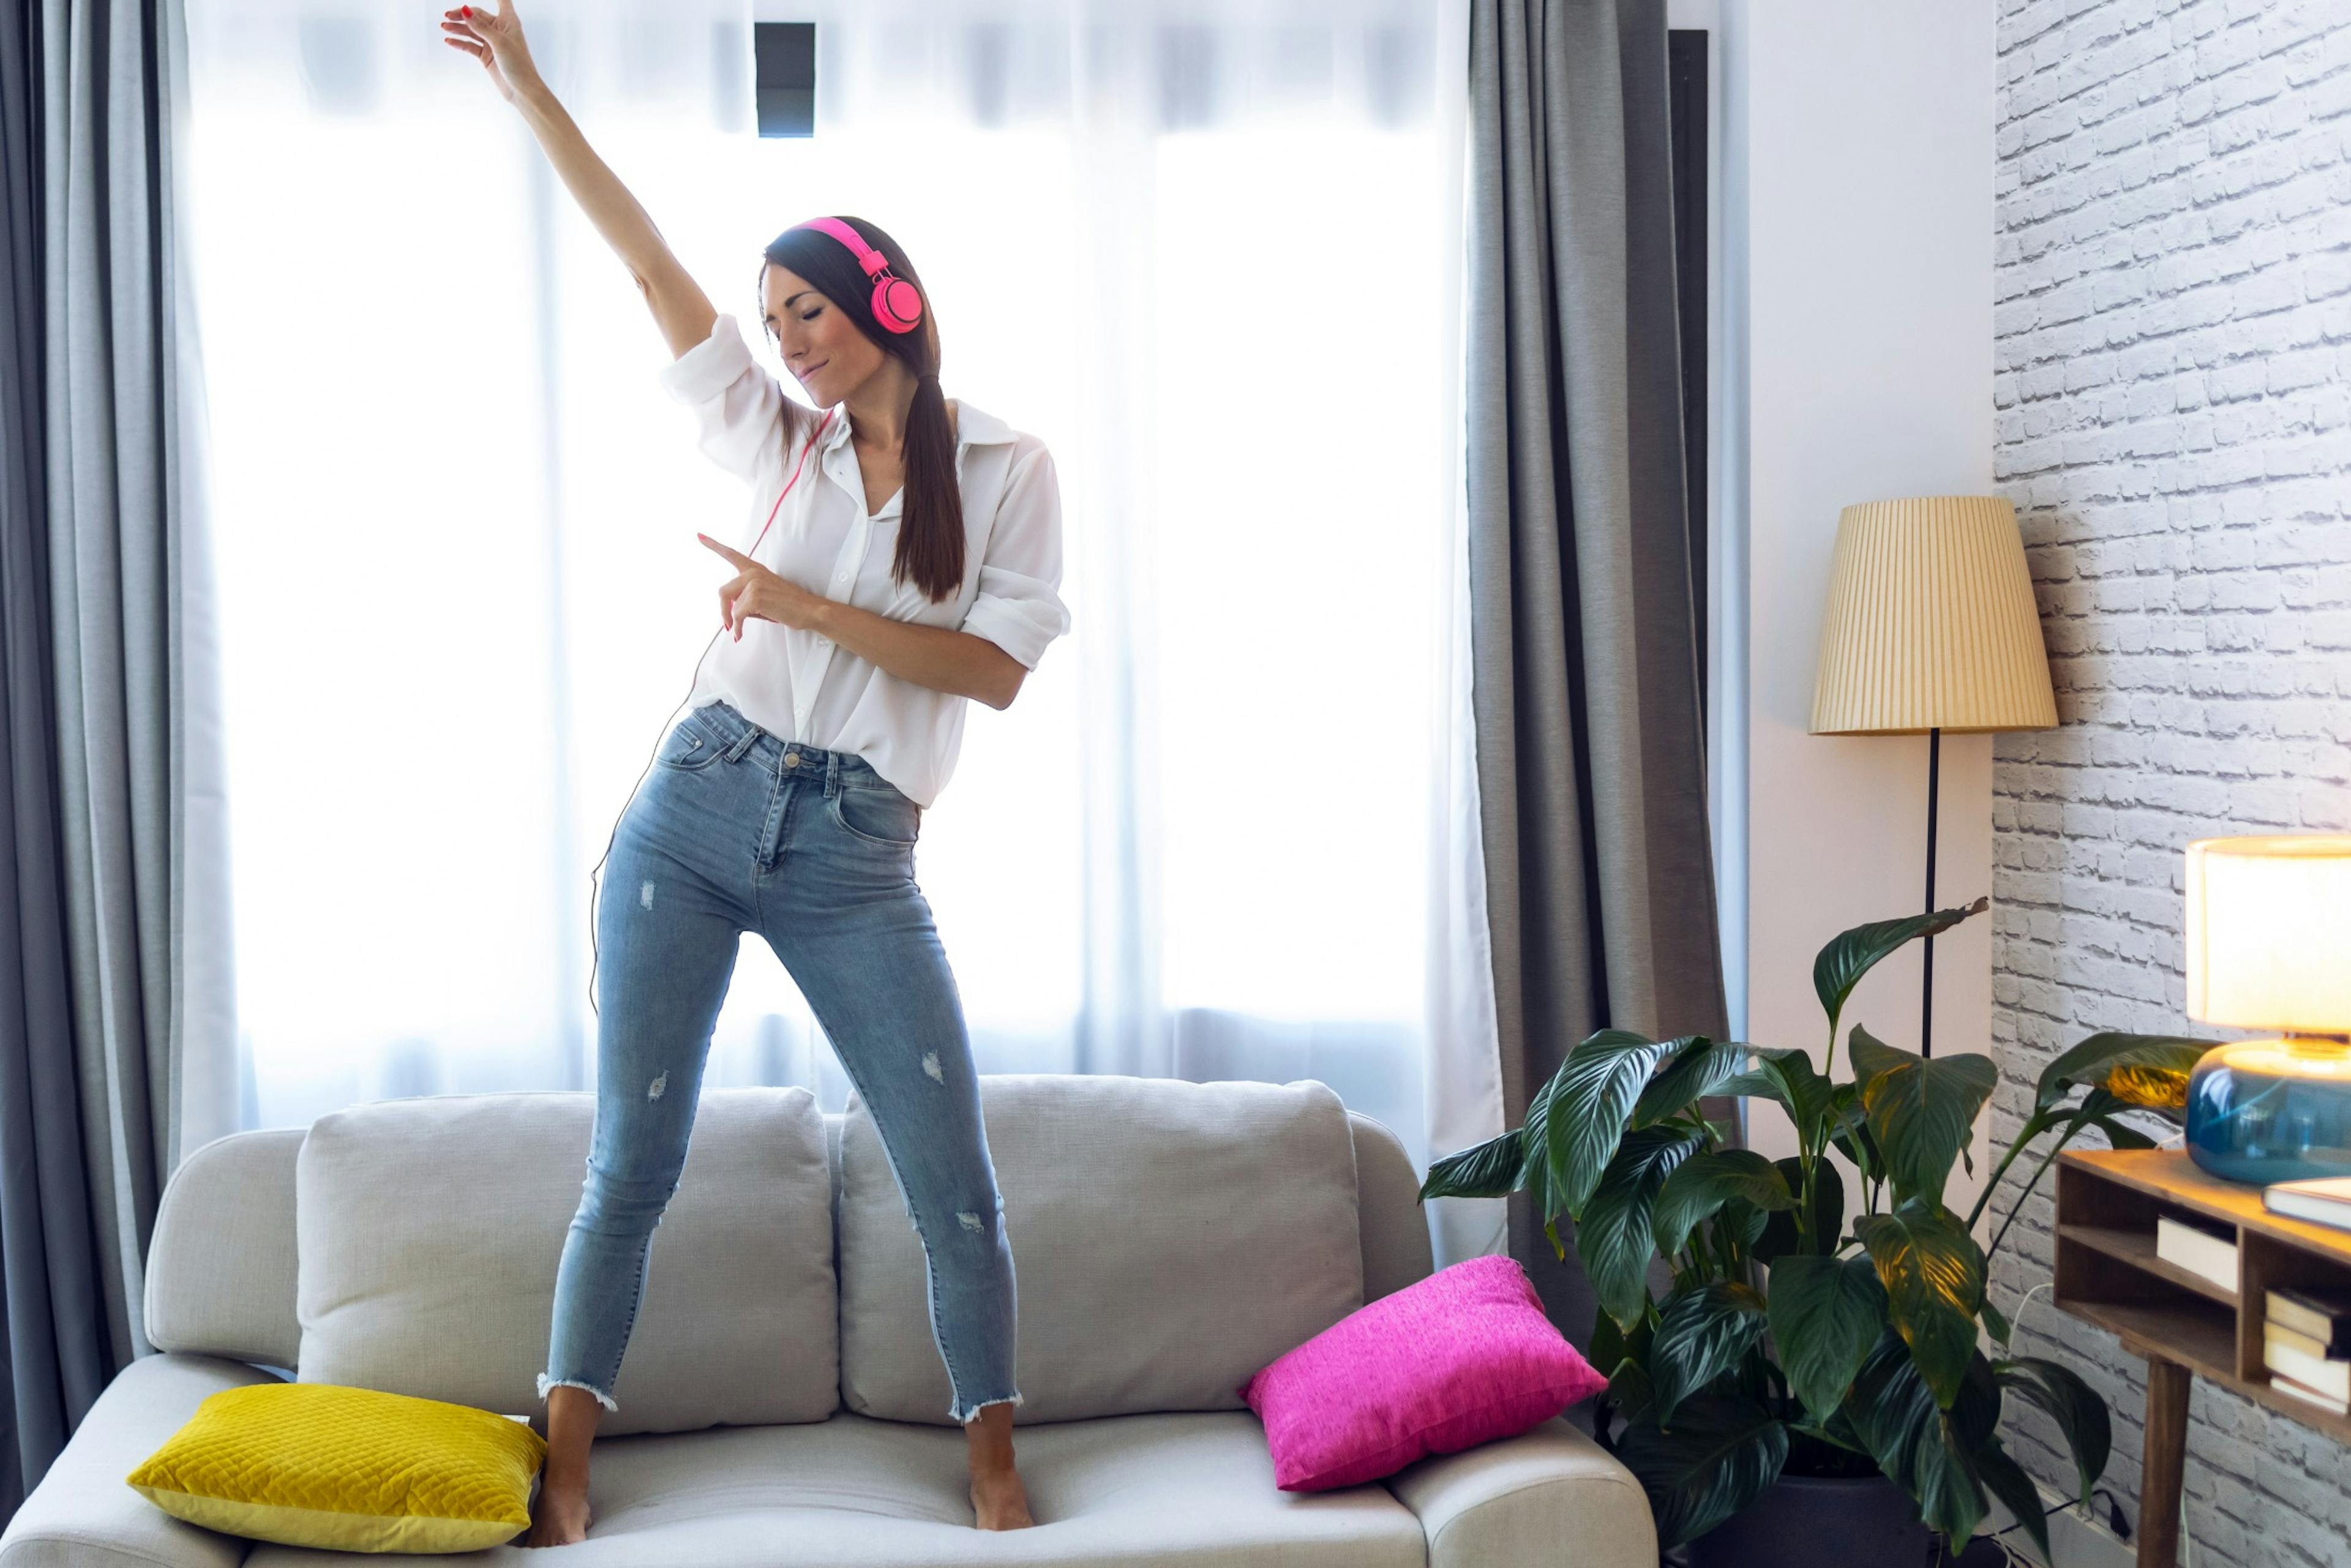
x: 802, y: 686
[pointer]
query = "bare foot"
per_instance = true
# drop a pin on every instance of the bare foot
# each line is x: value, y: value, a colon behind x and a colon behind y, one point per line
x: 1000, y: 1500
x: 560, y: 1516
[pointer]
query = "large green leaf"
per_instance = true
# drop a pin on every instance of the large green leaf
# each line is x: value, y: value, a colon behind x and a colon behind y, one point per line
x: 1779, y: 1236
x: 1799, y: 1086
x: 1536, y: 1176
x: 1921, y: 1110
x: 1488, y: 1169
x: 1922, y: 1448
x: 1623, y: 1354
x: 1699, y: 1068
x: 1613, y: 1231
x: 1888, y: 1404
x: 1722, y: 1453
x: 2095, y: 1058
x: 1943, y: 1482
x: 1630, y: 1390
x: 1995, y: 1321
x: 2005, y: 1480
x: 1603, y: 1348
x: 1852, y: 953
x: 1827, y: 1312
x: 1850, y: 1135
x: 1705, y: 1182
x: 1933, y: 1272
x: 2076, y: 1407
x: 1701, y: 1333
x: 1586, y: 1105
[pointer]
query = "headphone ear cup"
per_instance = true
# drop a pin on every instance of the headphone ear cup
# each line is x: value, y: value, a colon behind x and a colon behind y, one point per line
x: 897, y: 304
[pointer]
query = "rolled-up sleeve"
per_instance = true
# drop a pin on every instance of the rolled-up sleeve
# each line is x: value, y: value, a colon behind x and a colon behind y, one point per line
x: 1020, y: 606
x: 739, y: 406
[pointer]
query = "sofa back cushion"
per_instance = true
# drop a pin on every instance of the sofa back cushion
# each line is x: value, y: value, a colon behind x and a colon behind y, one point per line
x: 1169, y: 1239
x: 1394, y: 1222
x: 221, y: 1266
x: 430, y: 1230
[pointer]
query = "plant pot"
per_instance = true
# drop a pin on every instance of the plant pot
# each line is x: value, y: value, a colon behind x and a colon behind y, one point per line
x: 1806, y: 1521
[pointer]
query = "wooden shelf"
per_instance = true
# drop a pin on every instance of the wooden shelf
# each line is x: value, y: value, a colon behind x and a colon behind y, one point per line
x: 2137, y: 1247
x: 2204, y: 1341
x: 2108, y: 1201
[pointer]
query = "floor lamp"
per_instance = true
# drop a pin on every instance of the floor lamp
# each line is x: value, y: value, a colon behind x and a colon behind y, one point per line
x: 1930, y: 627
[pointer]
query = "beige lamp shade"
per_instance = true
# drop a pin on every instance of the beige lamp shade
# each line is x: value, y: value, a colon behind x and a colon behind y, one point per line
x: 1931, y: 622
x: 2269, y: 933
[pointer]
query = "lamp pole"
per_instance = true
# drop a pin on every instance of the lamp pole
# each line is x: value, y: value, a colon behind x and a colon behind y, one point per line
x: 1926, y: 996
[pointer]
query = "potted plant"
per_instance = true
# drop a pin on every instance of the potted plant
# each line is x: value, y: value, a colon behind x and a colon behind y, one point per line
x: 1825, y: 1332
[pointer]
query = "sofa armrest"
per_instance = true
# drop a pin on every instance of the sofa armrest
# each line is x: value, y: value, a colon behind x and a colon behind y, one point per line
x: 1549, y: 1496
x: 85, y: 1515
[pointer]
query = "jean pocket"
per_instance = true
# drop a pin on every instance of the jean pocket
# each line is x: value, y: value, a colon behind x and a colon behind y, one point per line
x: 686, y: 748
x: 883, y: 816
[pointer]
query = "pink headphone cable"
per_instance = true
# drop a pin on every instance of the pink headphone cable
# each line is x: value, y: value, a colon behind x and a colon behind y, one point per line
x: 595, y: 877
x: 793, y: 481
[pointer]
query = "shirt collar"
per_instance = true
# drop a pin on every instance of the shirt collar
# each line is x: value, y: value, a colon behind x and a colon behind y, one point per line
x: 974, y: 427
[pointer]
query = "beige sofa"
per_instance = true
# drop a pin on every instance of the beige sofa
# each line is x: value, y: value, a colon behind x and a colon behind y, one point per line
x: 783, y: 1401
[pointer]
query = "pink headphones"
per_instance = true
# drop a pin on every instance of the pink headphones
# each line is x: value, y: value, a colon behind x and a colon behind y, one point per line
x: 897, y: 304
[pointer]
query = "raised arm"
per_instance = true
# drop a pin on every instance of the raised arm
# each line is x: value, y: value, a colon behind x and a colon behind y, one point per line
x: 680, y: 307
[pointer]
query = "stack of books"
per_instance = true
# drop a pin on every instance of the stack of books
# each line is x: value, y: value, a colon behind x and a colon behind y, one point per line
x: 2306, y: 1344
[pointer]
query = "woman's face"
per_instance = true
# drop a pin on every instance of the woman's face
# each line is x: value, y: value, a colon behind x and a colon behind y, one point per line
x: 819, y: 344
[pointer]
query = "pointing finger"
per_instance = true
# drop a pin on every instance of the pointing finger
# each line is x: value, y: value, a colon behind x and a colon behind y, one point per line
x: 737, y: 556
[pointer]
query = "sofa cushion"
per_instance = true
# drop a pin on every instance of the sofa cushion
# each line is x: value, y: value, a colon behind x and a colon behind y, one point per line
x: 430, y: 1230
x: 221, y: 1267
x: 1463, y: 1357
x: 318, y: 1464
x: 1185, y: 1489
x: 1168, y: 1239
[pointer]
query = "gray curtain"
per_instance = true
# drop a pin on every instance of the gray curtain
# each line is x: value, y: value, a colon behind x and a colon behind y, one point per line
x: 90, y: 525
x: 1585, y: 679
x: 56, y: 1344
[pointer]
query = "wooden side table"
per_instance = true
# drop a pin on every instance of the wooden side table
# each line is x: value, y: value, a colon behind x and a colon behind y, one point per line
x: 2108, y: 1273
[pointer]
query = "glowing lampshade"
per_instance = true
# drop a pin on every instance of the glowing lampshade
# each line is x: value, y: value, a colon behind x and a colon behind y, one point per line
x: 2269, y: 947
x: 2269, y: 933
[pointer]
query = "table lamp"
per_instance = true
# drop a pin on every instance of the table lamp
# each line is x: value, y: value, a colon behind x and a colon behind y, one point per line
x: 1931, y: 626
x: 2269, y: 947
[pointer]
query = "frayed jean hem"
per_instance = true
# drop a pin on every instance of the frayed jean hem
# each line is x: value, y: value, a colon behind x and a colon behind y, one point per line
x: 546, y: 1383
x: 966, y: 1418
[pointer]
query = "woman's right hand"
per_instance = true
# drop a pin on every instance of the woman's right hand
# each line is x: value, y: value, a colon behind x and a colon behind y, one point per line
x: 496, y: 40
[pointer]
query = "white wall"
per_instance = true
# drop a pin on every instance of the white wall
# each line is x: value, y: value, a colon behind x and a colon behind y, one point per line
x: 2174, y: 424
x: 1857, y: 365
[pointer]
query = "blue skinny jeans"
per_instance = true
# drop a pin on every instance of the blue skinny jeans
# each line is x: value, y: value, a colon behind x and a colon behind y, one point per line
x: 732, y: 831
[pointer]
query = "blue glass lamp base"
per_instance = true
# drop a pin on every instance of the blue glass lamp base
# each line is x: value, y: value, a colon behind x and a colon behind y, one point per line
x: 2269, y: 1110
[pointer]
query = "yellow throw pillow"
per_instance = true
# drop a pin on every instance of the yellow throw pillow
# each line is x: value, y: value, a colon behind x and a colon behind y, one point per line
x: 356, y: 1469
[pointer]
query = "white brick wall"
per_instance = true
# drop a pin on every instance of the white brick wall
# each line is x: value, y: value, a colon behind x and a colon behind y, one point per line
x: 2173, y: 361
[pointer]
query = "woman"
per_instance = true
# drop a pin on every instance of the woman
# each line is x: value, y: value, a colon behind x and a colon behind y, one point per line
x: 908, y: 562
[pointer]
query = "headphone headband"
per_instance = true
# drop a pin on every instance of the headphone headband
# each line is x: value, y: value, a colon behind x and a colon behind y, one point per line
x: 897, y: 304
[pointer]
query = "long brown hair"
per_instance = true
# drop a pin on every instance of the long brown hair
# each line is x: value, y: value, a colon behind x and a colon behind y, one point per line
x: 930, y: 525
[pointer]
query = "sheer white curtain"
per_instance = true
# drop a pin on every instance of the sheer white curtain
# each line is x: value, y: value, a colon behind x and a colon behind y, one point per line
x: 1209, y: 253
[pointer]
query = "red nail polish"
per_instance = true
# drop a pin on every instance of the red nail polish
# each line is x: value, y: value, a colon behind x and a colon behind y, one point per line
x: 466, y: 11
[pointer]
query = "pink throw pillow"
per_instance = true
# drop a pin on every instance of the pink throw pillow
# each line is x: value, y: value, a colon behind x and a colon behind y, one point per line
x: 1463, y: 1357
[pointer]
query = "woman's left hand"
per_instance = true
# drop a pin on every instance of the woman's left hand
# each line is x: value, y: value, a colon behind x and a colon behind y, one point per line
x: 753, y: 590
